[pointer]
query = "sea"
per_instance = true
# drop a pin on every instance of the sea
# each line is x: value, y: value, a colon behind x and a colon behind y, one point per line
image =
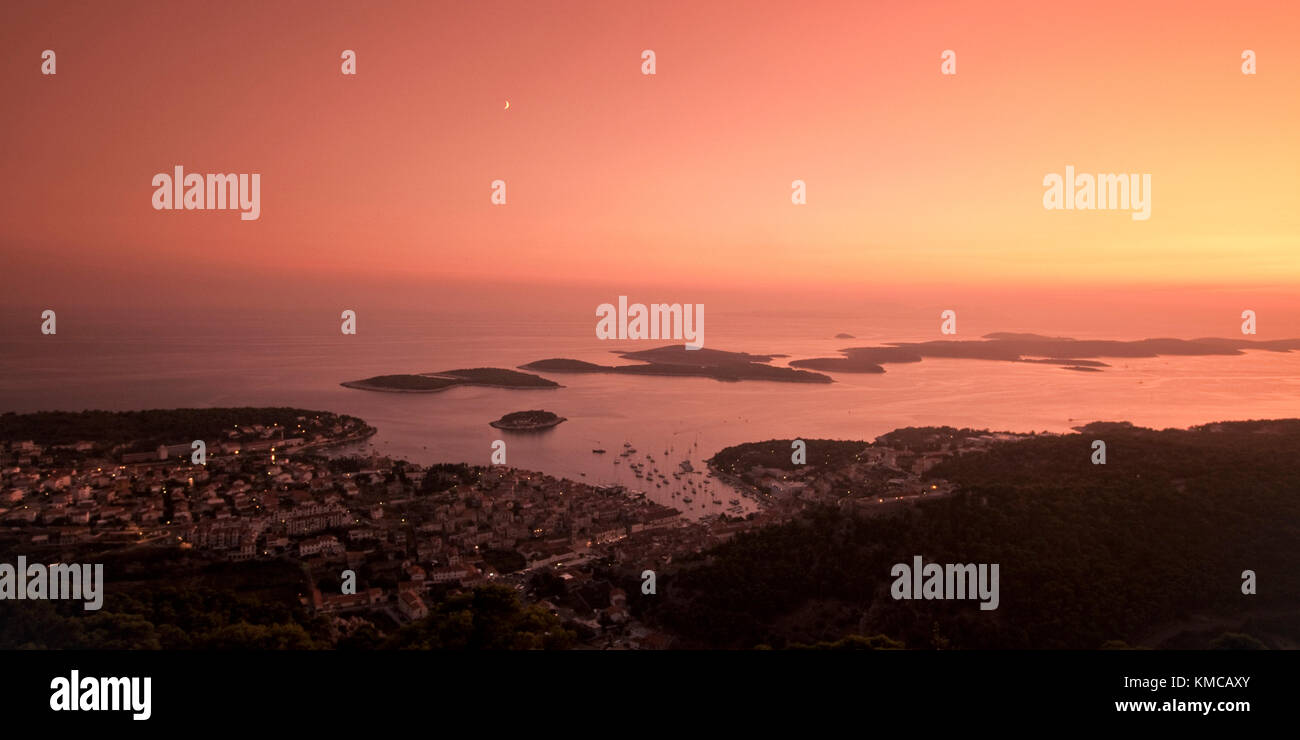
x: 220, y: 359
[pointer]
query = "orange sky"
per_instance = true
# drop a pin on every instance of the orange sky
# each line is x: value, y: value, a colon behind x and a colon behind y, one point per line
x: 680, y: 179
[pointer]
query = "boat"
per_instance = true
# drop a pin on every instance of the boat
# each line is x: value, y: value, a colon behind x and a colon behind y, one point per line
x: 598, y: 451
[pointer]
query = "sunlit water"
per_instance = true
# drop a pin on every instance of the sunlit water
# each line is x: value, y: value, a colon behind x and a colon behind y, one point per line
x: 216, y: 363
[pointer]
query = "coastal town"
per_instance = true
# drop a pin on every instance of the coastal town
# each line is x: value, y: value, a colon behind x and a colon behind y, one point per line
x: 406, y: 535
x: 868, y: 478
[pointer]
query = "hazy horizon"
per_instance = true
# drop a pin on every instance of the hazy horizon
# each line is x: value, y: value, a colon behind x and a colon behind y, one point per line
x: 924, y: 190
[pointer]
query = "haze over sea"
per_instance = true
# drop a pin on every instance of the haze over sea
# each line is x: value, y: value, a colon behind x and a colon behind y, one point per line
x: 288, y: 359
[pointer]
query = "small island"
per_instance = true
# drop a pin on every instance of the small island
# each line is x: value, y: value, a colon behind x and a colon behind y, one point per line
x: 844, y: 335
x: 491, y: 377
x: 528, y: 421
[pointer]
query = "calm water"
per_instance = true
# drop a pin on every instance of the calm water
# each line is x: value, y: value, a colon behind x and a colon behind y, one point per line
x: 210, y: 361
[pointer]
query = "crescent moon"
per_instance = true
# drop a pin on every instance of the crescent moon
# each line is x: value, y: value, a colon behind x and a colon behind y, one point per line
x: 507, y: 105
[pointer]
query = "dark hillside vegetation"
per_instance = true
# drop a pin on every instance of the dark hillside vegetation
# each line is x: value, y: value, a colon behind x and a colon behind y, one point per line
x: 1090, y: 555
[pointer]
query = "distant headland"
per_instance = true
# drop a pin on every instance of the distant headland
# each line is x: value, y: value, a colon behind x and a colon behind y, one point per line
x: 1071, y: 354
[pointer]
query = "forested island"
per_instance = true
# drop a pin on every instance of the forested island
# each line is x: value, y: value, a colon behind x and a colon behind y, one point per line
x: 528, y: 421
x: 678, y: 361
x: 492, y: 377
